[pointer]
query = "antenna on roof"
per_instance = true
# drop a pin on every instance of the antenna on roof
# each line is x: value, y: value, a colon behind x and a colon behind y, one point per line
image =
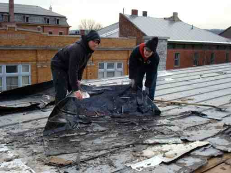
x: 123, y: 10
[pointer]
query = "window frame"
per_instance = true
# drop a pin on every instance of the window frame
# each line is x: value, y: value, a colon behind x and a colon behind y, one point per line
x: 57, y: 21
x: 178, y: 59
x: 196, y: 57
x: 27, y: 19
x: 212, y: 58
x: 227, y: 56
x: 20, y: 74
x: 105, y: 69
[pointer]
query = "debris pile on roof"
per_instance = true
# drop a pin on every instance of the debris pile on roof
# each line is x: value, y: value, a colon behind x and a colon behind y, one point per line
x: 27, y: 98
x: 113, y: 142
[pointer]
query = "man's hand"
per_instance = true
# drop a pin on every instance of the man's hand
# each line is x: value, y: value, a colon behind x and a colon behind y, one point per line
x: 132, y: 82
x: 78, y: 95
x: 79, y: 84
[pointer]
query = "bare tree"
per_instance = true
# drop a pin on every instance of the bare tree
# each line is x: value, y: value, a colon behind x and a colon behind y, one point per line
x: 89, y: 24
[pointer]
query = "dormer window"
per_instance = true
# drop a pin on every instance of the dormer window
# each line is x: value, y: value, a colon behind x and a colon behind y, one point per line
x: 47, y: 20
x: 27, y: 19
x: 57, y: 21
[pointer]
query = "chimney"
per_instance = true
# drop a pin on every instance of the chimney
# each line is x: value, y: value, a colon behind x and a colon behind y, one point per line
x: 145, y: 13
x: 175, y: 16
x: 134, y: 12
x: 50, y: 8
x: 11, y: 10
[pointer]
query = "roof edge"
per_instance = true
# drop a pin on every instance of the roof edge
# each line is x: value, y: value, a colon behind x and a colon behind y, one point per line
x: 193, y: 41
x: 225, y: 30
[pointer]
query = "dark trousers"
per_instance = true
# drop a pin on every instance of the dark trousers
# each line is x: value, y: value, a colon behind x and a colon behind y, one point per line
x: 61, y: 83
x: 152, y: 88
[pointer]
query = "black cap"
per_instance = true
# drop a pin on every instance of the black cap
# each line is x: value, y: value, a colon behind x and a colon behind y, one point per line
x: 152, y: 44
x: 92, y: 35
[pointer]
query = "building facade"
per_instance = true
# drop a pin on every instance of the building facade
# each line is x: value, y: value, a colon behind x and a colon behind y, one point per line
x: 25, y: 56
x: 187, y: 45
x: 33, y: 18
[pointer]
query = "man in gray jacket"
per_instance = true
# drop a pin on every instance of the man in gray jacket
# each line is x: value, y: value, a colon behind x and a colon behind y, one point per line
x: 68, y: 64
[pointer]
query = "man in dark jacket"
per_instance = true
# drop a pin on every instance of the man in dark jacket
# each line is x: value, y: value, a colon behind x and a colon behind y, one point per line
x: 144, y: 60
x: 68, y: 64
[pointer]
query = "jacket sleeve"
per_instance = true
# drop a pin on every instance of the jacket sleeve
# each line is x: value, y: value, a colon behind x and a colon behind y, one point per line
x: 152, y: 72
x: 74, y: 62
x: 80, y: 72
x: 133, y: 62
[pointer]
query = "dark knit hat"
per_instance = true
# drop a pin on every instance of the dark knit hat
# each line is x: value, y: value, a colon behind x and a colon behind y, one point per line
x: 152, y: 44
x: 92, y: 35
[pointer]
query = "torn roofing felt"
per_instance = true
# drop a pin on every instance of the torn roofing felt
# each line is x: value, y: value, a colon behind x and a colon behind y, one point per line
x: 27, y: 98
x: 112, y: 102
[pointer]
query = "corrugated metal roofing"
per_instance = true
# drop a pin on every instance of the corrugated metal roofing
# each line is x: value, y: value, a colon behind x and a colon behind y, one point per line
x: 110, y: 31
x: 28, y: 9
x: 174, y: 30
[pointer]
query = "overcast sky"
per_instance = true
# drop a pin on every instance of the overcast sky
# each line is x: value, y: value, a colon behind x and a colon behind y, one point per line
x: 205, y: 14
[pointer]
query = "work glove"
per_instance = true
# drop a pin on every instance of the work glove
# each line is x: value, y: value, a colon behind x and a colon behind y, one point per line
x: 132, y: 82
x: 78, y: 95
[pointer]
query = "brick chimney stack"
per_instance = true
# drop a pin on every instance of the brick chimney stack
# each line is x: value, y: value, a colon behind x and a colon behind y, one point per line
x: 145, y: 13
x: 11, y: 10
x: 175, y: 16
x: 134, y: 12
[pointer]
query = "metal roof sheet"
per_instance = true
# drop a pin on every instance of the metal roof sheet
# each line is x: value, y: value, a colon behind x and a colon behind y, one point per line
x: 176, y: 30
x: 28, y: 9
x: 110, y: 31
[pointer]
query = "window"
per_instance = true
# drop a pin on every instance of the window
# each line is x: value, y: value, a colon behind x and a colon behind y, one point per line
x: 47, y: 20
x: 177, y: 60
x: 110, y: 69
x: 11, y: 83
x: 25, y: 68
x: 11, y: 69
x: 57, y: 21
x: 27, y: 19
x: 14, y: 76
x: 60, y: 32
x: 212, y: 58
x: 25, y: 80
x: 119, y: 69
x: 50, y: 32
x: 227, y: 57
x: 196, y: 59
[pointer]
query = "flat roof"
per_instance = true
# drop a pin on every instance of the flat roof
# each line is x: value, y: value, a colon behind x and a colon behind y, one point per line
x: 195, y: 104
